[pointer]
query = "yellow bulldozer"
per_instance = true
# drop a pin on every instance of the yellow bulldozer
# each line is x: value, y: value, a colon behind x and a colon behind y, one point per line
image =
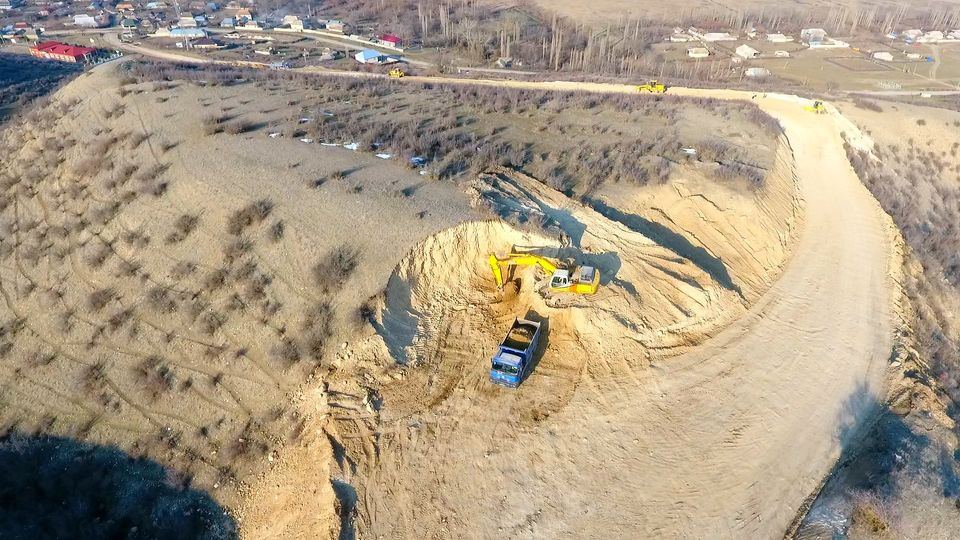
x: 817, y: 108
x: 652, y: 87
x: 563, y: 277
x: 397, y: 73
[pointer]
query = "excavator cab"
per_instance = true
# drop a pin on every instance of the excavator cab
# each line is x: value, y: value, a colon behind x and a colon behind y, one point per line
x: 397, y: 73
x: 652, y: 87
x: 584, y: 280
x: 817, y: 108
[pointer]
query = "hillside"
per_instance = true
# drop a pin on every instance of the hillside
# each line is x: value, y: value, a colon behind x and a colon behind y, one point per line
x: 196, y: 270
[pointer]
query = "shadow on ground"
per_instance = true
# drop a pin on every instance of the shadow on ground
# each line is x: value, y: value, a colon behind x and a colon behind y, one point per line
x: 883, y: 456
x: 671, y: 240
x: 54, y: 487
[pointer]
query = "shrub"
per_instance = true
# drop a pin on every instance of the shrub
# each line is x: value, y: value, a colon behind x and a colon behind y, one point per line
x: 238, y: 127
x: 336, y: 267
x: 155, y: 376
x: 98, y: 299
x: 182, y: 227
x: 276, y: 231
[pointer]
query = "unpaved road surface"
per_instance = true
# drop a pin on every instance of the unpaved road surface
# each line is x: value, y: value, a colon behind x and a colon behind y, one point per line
x: 725, y: 440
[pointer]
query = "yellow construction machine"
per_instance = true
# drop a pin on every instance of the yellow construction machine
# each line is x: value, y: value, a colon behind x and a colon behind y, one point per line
x: 817, y: 108
x: 652, y: 87
x: 563, y: 277
x: 397, y: 73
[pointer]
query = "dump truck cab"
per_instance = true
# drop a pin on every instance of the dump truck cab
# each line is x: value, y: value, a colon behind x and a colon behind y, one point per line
x: 515, y: 354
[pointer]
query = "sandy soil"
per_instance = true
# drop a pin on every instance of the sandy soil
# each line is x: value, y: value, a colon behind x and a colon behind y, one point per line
x: 612, y: 435
x: 598, y: 443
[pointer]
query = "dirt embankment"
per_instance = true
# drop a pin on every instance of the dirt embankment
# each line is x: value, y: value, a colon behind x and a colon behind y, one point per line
x: 695, y: 445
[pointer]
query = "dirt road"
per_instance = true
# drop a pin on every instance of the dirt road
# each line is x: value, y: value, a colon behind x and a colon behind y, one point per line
x: 727, y: 440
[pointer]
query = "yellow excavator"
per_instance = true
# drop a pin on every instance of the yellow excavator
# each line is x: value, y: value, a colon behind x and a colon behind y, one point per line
x: 563, y: 278
x: 652, y: 87
x: 397, y: 73
x: 817, y: 108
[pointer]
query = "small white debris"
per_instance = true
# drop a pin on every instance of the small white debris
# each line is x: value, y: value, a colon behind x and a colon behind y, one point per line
x: 307, y: 140
x: 304, y: 120
x: 274, y: 135
x: 329, y: 144
x: 384, y: 156
x: 352, y: 146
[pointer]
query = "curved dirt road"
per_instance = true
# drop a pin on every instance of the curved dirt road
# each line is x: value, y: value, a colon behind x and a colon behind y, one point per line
x: 727, y: 440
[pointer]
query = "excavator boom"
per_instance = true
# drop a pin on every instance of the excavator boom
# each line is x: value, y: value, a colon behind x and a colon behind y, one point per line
x: 519, y: 259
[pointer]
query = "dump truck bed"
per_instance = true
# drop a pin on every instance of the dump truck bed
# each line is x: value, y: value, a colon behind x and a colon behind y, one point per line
x: 521, y: 334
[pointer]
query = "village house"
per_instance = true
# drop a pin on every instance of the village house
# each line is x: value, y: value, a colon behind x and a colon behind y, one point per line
x: 187, y: 22
x: 125, y: 7
x: 189, y: 33
x: 336, y: 26
x: 293, y: 22
x: 779, y: 38
x: 912, y: 35
x: 85, y: 20
x: 810, y: 35
x: 54, y: 50
x: 718, y: 36
x: 934, y: 36
x: 884, y: 56
x: 782, y: 54
x: 204, y: 43
x: 698, y: 52
x: 390, y: 40
x: 7, y: 5
x: 757, y: 72
x: 369, y: 56
x: 747, y: 52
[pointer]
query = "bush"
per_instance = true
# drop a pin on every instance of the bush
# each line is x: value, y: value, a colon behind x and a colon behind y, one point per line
x: 98, y: 299
x: 238, y: 127
x: 182, y: 227
x: 336, y: 267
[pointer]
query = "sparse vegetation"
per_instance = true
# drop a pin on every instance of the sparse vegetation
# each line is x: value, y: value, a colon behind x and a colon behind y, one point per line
x: 336, y: 267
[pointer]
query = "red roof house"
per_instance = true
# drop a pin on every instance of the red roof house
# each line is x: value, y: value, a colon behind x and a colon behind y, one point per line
x: 390, y: 39
x: 54, y: 50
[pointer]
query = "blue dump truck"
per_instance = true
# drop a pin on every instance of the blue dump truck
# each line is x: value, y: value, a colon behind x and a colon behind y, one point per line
x: 515, y: 355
